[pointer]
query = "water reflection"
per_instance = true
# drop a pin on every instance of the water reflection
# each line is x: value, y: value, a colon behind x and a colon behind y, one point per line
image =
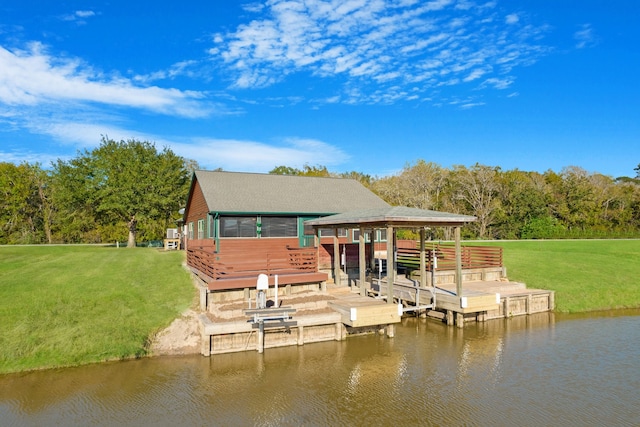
x: 543, y: 369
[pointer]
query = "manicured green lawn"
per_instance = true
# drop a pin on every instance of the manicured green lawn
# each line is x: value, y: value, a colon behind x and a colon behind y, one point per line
x: 587, y: 275
x: 71, y: 305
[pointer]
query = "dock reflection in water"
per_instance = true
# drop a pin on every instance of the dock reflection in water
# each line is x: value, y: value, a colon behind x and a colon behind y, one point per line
x: 531, y: 370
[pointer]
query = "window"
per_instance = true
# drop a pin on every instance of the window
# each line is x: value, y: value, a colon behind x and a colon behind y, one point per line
x: 329, y: 232
x: 201, y: 229
x: 381, y: 235
x: 356, y: 235
x: 279, y: 226
x: 191, y: 230
x: 309, y: 231
x: 238, y: 226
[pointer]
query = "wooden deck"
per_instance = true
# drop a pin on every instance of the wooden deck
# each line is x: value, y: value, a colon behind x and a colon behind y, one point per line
x: 315, y: 317
x: 238, y: 268
x: 513, y: 298
x: 481, y: 300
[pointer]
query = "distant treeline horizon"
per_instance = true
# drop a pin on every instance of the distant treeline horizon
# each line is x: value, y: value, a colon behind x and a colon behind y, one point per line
x: 93, y: 197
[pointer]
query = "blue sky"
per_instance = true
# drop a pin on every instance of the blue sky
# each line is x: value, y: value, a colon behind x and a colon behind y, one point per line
x: 352, y: 85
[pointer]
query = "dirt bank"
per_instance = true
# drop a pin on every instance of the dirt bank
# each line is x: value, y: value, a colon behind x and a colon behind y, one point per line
x: 181, y: 337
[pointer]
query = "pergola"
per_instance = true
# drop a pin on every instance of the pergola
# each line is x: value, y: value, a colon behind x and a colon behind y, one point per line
x: 391, y: 219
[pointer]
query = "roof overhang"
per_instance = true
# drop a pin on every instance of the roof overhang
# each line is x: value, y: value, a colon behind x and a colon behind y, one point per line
x: 397, y: 216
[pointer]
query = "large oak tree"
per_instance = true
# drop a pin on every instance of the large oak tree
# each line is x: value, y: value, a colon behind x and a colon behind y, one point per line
x: 122, y: 185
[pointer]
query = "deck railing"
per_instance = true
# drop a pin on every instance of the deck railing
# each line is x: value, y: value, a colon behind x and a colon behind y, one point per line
x: 471, y: 257
x: 245, y: 263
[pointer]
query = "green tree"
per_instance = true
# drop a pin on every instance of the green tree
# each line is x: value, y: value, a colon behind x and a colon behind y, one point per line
x: 306, y: 170
x: 285, y: 170
x: 25, y: 207
x: 121, y: 186
x: 523, y: 197
x: 580, y: 198
x: 362, y: 178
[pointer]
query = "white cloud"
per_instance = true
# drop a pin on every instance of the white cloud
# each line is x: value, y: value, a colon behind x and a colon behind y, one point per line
x: 585, y: 37
x: 233, y: 154
x: 377, y: 46
x: 211, y: 153
x: 79, y: 16
x: 33, y: 77
x: 512, y: 19
x: 84, y: 13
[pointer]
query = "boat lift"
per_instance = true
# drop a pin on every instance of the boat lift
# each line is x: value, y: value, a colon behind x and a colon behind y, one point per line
x: 264, y: 317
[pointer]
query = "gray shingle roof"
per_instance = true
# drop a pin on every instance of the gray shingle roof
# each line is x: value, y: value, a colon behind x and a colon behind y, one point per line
x: 264, y: 193
x: 396, y: 215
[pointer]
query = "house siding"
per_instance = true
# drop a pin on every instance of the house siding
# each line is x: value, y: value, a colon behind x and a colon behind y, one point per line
x: 197, y: 210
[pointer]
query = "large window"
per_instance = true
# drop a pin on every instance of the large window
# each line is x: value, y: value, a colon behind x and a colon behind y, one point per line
x: 279, y: 226
x: 238, y: 226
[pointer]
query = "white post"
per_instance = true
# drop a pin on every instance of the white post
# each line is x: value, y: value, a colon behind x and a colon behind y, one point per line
x: 276, y: 305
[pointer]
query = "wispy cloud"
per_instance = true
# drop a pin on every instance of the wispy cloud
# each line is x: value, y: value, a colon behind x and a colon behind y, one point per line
x: 79, y: 16
x: 233, y: 154
x: 585, y: 37
x: 32, y: 77
x: 382, y: 51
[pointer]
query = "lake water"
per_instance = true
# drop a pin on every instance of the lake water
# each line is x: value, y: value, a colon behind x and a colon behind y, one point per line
x: 544, y: 369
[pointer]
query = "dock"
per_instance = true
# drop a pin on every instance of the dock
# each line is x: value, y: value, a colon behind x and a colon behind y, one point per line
x: 480, y: 300
x: 329, y: 312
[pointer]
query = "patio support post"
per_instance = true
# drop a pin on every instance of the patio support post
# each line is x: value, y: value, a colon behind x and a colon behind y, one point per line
x: 372, y: 255
x: 336, y: 259
x: 391, y: 266
x: 458, y: 263
x: 316, y: 244
x: 423, y: 258
x: 362, y: 263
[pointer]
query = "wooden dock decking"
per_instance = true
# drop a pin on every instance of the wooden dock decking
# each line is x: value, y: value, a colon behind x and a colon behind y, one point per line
x: 480, y: 300
x: 318, y: 316
x: 337, y: 311
x: 358, y: 311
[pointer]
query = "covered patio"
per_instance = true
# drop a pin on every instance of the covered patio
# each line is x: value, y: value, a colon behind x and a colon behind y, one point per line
x: 391, y: 219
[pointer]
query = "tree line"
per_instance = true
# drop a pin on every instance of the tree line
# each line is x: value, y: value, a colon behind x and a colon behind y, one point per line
x: 128, y: 190
x: 120, y: 191
x: 511, y: 204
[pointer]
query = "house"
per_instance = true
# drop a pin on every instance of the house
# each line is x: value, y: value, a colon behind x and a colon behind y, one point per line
x: 238, y: 225
x: 304, y: 231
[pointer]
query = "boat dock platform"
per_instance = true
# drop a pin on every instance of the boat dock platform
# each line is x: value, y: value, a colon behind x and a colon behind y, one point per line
x: 335, y: 312
x: 480, y: 300
x: 313, y: 315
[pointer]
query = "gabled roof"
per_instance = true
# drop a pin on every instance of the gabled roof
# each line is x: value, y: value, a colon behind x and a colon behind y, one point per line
x: 235, y: 192
x: 394, y: 216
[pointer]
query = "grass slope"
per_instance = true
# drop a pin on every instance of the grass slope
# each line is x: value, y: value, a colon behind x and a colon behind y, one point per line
x: 587, y: 275
x: 71, y: 305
